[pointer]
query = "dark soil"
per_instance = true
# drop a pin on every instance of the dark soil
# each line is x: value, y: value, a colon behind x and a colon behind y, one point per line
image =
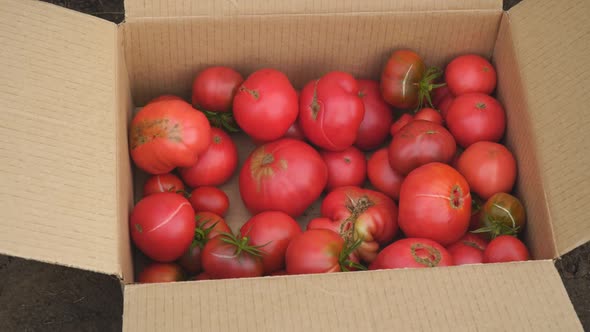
x: 41, y: 297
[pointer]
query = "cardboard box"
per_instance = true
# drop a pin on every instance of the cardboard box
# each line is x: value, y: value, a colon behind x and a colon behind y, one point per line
x: 69, y: 83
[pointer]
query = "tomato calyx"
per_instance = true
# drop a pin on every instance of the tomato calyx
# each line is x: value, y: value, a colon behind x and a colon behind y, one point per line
x: 222, y: 120
x: 480, y: 106
x: 242, y: 245
x: 496, y: 227
x: 426, y: 86
x: 202, y: 234
x: 425, y: 254
x: 344, y: 260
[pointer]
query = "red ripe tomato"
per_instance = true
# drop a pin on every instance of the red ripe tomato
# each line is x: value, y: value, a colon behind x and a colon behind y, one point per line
x: 215, y: 87
x: 285, y: 175
x: 271, y: 231
x: 412, y: 253
x: 420, y: 142
x: 359, y: 215
x: 400, y: 123
x: 405, y: 81
x: 382, y: 176
x: 505, y: 248
x: 429, y: 114
x: 468, y: 250
x: 162, y: 226
x: 476, y: 117
x: 439, y: 94
x: 167, y: 134
x: 266, y: 105
x: 318, y: 251
x: 162, y: 183
x: 470, y: 73
x: 295, y: 132
x: 227, y: 256
x: 488, y: 167
x: 165, y: 97
x: 345, y: 168
x: 435, y: 203
x: 331, y: 111
x: 210, y: 199
x: 445, y: 105
x: 216, y: 165
x: 161, y: 272
x: 378, y: 117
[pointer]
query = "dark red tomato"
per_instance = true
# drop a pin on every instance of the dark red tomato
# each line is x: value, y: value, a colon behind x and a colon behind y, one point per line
x: 435, y: 203
x: 167, y: 134
x: 216, y: 165
x: 429, y: 114
x: 162, y: 226
x: 331, y: 111
x: 439, y: 94
x: 227, y: 256
x: 162, y: 183
x: 266, y: 105
x: 476, y: 117
x: 164, y: 98
x: 502, y: 214
x: 161, y: 272
x: 470, y: 73
x: 412, y: 253
x: 295, y: 132
x: 285, y: 175
x: 420, y: 142
x: 505, y: 248
x: 382, y: 176
x: 317, y: 251
x: 445, y: 105
x: 272, y: 231
x: 210, y: 199
x: 215, y: 87
x: 378, y: 117
x: 488, y: 167
x: 345, y: 168
x: 468, y: 250
x: 201, y: 276
x: 400, y: 123
x: 405, y: 81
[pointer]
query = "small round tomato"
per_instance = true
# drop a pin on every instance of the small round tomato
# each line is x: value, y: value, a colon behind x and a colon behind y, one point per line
x: 161, y: 272
x: 420, y: 142
x: 382, y: 176
x: 271, y: 231
x: 476, y: 117
x: 162, y: 183
x: 400, y: 123
x: 227, y: 256
x: 502, y: 214
x: 488, y: 167
x: 470, y: 73
x: 345, y: 168
x: 210, y: 199
x: 429, y: 114
x: 215, y: 87
x: 412, y: 253
x: 435, y: 203
x: 468, y: 250
x: 505, y: 248
x: 378, y: 117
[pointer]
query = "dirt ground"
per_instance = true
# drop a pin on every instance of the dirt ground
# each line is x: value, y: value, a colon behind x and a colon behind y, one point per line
x: 42, y: 297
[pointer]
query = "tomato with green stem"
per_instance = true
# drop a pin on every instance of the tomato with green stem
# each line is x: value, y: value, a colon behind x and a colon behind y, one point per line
x: 162, y: 183
x: 502, y: 214
x: 229, y: 256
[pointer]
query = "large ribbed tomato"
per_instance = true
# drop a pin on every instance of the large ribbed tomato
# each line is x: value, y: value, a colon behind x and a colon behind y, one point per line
x: 285, y: 175
x: 412, y: 253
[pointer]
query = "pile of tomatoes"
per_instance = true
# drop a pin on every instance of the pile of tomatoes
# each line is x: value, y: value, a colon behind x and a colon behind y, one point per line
x: 432, y: 188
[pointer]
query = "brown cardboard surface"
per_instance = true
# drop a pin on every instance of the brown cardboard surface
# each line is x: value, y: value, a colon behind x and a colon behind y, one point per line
x: 57, y: 148
x: 552, y: 44
x: 525, y: 296
x: 172, y: 8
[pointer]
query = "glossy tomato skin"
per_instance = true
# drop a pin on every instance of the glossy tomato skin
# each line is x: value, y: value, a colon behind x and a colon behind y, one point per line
x: 162, y: 183
x: 266, y: 105
x: 382, y: 176
x: 429, y: 114
x: 161, y: 272
x: 345, y: 168
x: 215, y: 87
x: 412, y: 253
x: 271, y: 166
x: 162, y: 226
x: 210, y: 199
x: 378, y: 117
x: 502, y: 214
x: 331, y: 111
x: 221, y: 260
x: 420, y: 142
x: 314, y: 251
x: 216, y: 165
x: 358, y: 213
x: 400, y: 79
x: 470, y: 73
x: 167, y: 134
x: 468, y: 250
x: 476, y: 117
x: 435, y: 203
x: 505, y: 248
x: 273, y: 230
x: 488, y: 167
x: 400, y: 123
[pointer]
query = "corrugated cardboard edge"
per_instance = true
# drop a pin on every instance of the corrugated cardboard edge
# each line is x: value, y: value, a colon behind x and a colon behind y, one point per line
x: 525, y: 296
